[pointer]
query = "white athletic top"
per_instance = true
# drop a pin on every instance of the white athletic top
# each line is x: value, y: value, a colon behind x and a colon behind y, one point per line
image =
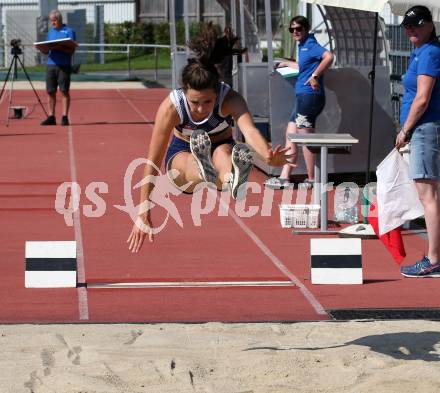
x: 215, y: 123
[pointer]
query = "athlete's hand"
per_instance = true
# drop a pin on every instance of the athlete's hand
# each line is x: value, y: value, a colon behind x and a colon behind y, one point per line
x: 140, y: 230
x: 278, y: 157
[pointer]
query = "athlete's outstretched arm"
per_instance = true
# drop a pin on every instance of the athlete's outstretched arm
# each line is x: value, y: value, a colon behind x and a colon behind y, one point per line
x: 166, y: 119
x: 235, y: 105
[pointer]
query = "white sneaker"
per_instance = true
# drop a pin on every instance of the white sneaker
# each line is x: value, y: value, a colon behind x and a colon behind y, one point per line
x: 241, y: 168
x: 200, y: 145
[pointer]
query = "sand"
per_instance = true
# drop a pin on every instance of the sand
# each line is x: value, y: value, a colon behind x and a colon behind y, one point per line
x: 359, y: 356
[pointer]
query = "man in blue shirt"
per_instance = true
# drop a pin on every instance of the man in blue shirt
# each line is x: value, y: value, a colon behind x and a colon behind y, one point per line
x: 59, y: 68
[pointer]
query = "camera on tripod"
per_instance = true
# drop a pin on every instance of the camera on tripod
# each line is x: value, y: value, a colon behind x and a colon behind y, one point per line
x: 16, y: 47
x: 12, y: 75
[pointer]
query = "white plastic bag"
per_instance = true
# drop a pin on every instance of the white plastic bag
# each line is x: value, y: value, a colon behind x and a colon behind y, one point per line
x: 397, y: 198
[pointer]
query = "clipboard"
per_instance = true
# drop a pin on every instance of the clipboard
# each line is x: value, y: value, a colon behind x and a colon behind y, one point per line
x: 46, y: 46
x: 287, y: 72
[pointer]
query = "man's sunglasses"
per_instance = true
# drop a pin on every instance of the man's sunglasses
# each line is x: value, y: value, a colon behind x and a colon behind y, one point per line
x: 298, y: 29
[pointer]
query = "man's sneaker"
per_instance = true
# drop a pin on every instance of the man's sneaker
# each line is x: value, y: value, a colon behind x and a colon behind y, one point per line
x: 421, y: 268
x: 50, y: 121
x: 65, y: 121
x: 200, y: 145
x: 241, y: 167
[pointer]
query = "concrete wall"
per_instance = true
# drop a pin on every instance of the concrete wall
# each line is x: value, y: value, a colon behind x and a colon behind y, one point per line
x: 22, y: 25
x: 346, y: 112
x: 76, y: 19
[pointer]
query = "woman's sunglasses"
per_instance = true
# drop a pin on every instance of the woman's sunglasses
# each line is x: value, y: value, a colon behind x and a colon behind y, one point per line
x: 298, y: 29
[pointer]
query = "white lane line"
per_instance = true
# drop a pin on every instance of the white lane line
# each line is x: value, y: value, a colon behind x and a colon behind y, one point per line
x: 133, y: 106
x: 3, y: 96
x: 306, y: 293
x: 83, y: 304
x: 190, y: 284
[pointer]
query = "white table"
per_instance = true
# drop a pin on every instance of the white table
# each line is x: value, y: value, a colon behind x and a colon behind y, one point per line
x: 323, y: 144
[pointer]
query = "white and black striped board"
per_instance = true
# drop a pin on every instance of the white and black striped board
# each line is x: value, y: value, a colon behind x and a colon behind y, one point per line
x: 336, y: 261
x: 50, y: 264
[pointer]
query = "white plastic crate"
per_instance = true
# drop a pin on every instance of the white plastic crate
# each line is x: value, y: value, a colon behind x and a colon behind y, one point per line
x: 293, y: 216
x: 299, y: 216
x: 313, y: 216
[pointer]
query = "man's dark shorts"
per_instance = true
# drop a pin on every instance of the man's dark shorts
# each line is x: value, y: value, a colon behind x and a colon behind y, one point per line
x: 58, y: 76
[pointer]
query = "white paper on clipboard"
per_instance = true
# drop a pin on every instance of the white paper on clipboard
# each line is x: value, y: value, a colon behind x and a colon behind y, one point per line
x: 55, y: 44
x: 287, y: 72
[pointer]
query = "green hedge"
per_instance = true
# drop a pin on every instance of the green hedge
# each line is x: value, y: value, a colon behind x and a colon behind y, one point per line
x: 147, y: 33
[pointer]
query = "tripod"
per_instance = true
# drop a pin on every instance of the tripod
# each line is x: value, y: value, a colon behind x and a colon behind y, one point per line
x: 11, y: 76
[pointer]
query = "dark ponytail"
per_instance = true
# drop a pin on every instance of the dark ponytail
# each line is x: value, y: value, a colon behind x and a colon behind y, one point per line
x: 198, y: 75
x: 210, y: 49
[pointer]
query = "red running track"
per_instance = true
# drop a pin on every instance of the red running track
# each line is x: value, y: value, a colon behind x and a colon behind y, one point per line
x: 110, y: 129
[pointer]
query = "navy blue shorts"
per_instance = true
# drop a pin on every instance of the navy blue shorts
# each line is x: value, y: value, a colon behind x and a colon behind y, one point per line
x: 308, y: 107
x: 178, y: 145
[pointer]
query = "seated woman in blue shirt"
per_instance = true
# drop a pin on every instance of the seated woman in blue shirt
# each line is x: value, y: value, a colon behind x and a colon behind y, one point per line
x: 313, y: 60
x: 420, y: 122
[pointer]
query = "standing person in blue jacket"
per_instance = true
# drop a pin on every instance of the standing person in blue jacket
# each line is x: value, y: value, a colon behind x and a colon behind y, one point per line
x: 420, y: 122
x: 313, y: 60
x: 59, y: 68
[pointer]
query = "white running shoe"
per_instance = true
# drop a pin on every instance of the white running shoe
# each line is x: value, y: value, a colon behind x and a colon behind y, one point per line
x: 200, y: 145
x: 242, y: 161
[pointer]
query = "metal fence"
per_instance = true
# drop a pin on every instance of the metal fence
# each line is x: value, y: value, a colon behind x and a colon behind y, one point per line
x: 21, y: 19
x: 400, y: 49
x: 102, y: 54
x: 122, y: 61
x: 115, y: 11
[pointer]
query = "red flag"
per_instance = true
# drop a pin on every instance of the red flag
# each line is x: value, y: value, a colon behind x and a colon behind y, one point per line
x: 392, y: 240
